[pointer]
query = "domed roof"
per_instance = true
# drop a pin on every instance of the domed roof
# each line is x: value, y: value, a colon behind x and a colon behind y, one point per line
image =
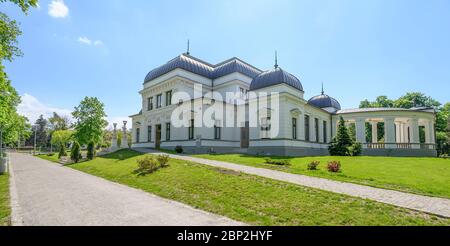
x: 197, y: 66
x: 324, y: 101
x: 274, y: 77
x: 185, y: 62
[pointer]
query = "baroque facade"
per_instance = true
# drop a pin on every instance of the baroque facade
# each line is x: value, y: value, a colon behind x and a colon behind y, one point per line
x: 303, y: 127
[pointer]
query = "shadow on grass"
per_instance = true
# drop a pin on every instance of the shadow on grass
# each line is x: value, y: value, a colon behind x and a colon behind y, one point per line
x: 122, y: 154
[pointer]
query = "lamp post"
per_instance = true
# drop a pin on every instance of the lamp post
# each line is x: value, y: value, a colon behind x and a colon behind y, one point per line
x: 34, y: 148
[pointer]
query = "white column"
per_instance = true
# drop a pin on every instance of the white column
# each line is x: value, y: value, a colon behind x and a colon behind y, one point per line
x: 427, y: 133
x: 389, y: 132
x: 414, y: 131
x: 321, y: 140
x: 397, y: 132
x: 374, y: 132
x: 114, y: 137
x: 432, y: 132
x: 402, y: 132
x: 361, y: 130
x: 124, y: 143
x: 312, y: 128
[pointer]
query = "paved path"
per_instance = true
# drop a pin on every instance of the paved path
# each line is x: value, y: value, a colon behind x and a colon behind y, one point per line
x: 433, y: 205
x: 44, y: 193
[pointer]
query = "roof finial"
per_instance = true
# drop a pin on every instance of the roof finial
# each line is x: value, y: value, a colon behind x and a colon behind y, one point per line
x: 188, y: 48
x: 322, y: 89
x: 276, y: 59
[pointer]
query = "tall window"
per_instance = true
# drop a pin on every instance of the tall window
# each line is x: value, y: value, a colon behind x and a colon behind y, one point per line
x: 149, y: 133
x: 294, y: 128
x: 325, y: 137
x: 158, y: 101
x: 168, y: 131
x: 316, y: 128
x: 265, y: 128
x: 191, y: 130
x: 307, y: 138
x: 138, y: 130
x: 150, y: 103
x: 168, y: 98
x: 217, y: 132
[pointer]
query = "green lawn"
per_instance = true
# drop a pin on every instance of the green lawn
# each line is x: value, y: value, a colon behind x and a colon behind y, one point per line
x: 251, y: 199
x: 428, y: 176
x: 5, y: 209
x: 53, y: 158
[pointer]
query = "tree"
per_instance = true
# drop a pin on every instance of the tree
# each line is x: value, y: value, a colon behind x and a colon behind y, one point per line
x: 91, y: 150
x: 416, y: 99
x: 59, y: 122
x: 90, y: 121
x: 62, y: 151
x: 61, y: 137
x: 75, y: 152
x: 342, y: 141
x: 11, y: 123
x: 41, y: 129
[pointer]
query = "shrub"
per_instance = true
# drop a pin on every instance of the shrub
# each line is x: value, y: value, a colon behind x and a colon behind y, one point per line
x: 334, y: 166
x: 91, y: 150
x: 445, y: 156
x: 179, y: 149
x: 163, y: 160
x: 313, y: 165
x: 75, y: 153
x: 355, y: 149
x: 50, y: 154
x: 62, y: 151
x: 283, y: 162
x: 146, y: 165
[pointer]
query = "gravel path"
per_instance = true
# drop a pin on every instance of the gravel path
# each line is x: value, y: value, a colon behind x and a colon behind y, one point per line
x: 44, y: 193
x: 433, y: 205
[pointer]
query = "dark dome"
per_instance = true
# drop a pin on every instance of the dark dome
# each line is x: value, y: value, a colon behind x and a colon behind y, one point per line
x: 274, y: 77
x: 324, y: 101
x: 185, y: 62
x: 197, y: 66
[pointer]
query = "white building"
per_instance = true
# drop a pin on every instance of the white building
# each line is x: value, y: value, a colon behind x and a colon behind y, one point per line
x: 304, y: 127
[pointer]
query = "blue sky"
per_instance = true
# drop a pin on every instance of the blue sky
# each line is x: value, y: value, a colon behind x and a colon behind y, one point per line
x: 104, y: 48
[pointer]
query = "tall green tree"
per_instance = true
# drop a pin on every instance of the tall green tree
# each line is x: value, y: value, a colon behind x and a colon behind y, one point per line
x: 12, y: 124
x: 90, y: 122
x: 61, y: 137
x: 41, y: 129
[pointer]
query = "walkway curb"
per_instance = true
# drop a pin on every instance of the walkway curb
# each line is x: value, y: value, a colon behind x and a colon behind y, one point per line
x: 16, y: 210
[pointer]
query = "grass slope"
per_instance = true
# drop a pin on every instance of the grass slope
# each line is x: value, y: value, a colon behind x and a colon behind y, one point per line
x: 5, y: 210
x: 251, y: 199
x: 427, y: 176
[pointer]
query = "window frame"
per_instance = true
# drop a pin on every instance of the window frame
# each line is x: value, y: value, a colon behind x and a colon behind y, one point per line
x: 138, y: 134
x: 149, y: 103
x: 307, y: 126
x: 159, y: 101
x: 316, y: 129
x: 168, y: 98
x: 294, y: 128
x: 168, y: 131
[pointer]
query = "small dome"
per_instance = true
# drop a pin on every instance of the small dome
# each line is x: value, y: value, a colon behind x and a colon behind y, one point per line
x: 274, y: 77
x: 324, y: 101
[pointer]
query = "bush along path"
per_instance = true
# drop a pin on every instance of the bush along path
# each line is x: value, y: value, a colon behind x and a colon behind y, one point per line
x: 433, y: 205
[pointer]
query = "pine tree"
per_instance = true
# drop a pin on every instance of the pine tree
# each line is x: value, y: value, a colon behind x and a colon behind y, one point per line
x: 91, y: 150
x: 340, y: 144
x: 75, y: 154
x: 62, y: 151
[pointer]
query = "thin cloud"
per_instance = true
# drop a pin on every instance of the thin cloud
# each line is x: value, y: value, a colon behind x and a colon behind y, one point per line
x: 58, y: 9
x: 87, y: 41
